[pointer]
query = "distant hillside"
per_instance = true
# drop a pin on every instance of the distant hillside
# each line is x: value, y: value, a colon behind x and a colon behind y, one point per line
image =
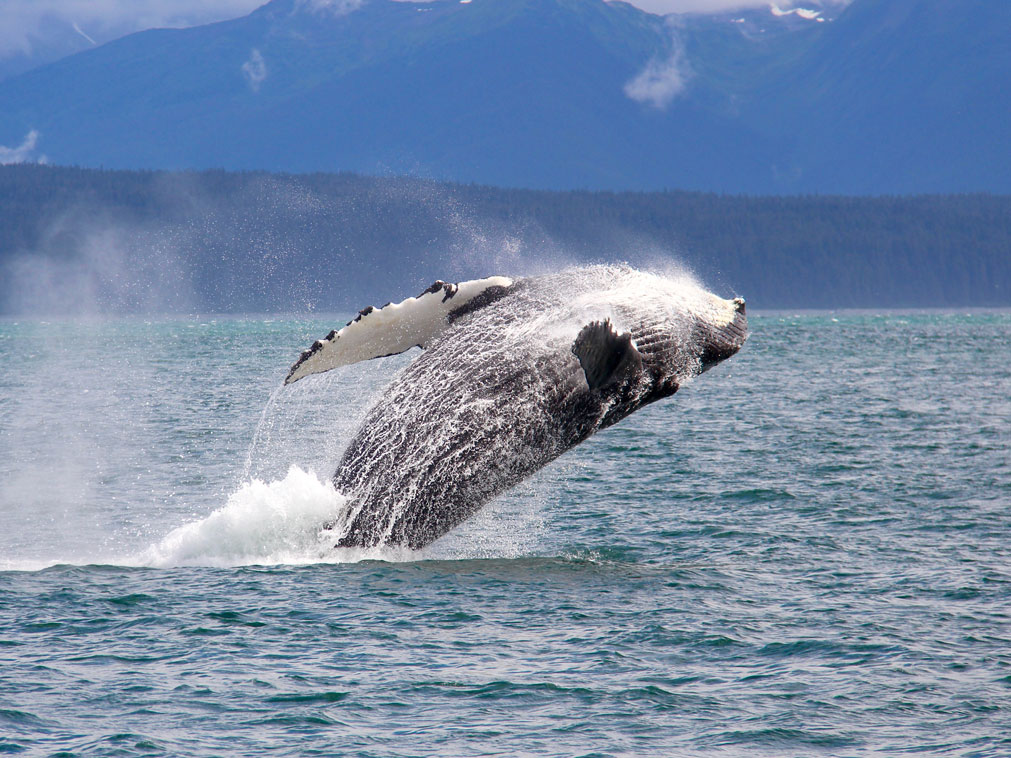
x: 893, y: 96
x: 90, y: 241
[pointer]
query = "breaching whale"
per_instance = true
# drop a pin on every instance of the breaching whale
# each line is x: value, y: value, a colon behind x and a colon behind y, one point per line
x: 514, y: 373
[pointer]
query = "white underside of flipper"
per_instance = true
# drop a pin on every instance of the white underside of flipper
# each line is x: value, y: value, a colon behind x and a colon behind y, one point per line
x: 392, y: 329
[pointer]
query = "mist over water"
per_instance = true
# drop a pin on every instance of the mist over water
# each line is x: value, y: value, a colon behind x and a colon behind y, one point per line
x: 199, y: 243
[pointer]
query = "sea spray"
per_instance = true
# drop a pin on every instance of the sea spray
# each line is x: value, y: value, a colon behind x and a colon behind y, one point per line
x: 308, y: 424
x: 262, y: 433
x: 262, y: 523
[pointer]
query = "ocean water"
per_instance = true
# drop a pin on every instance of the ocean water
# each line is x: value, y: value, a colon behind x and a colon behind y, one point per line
x: 805, y: 552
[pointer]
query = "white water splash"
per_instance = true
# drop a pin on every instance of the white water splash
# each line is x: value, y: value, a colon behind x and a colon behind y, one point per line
x: 265, y: 524
x: 262, y: 523
x: 281, y: 523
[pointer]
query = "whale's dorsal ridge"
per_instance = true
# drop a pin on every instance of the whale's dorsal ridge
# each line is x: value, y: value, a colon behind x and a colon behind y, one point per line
x: 607, y: 358
x: 396, y: 327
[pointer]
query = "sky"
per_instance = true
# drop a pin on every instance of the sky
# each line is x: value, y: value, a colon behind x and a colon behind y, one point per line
x: 28, y: 26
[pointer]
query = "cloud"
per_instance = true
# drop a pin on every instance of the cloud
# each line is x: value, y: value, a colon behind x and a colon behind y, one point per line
x: 23, y: 152
x: 255, y: 70
x: 662, y: 80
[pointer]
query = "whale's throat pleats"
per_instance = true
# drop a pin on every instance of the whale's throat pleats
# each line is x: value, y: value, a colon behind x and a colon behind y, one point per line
x: 396, y: 327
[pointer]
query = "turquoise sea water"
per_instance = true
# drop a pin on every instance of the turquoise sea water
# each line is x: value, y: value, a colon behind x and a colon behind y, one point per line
x: 806, y: 552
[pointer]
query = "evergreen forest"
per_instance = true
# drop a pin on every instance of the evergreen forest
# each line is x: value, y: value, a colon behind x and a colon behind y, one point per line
x: 82, y: 241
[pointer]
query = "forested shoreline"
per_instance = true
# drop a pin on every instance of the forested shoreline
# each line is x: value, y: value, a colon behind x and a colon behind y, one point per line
x: 90, y: 240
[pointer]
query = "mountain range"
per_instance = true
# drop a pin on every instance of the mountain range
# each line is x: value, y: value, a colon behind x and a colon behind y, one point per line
x: 884, y: 97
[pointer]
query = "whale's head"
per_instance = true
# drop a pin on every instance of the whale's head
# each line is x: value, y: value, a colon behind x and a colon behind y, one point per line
x: 720, y: 332
x: 658, y: 334
x: 692, y: 335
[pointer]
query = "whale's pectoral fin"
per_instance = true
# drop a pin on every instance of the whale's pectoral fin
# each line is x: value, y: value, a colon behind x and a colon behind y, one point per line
x: 396, y: 327
x: 607, y: 358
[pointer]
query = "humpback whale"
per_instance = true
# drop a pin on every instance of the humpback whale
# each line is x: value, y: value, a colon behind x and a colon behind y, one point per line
x: 514, y: 373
